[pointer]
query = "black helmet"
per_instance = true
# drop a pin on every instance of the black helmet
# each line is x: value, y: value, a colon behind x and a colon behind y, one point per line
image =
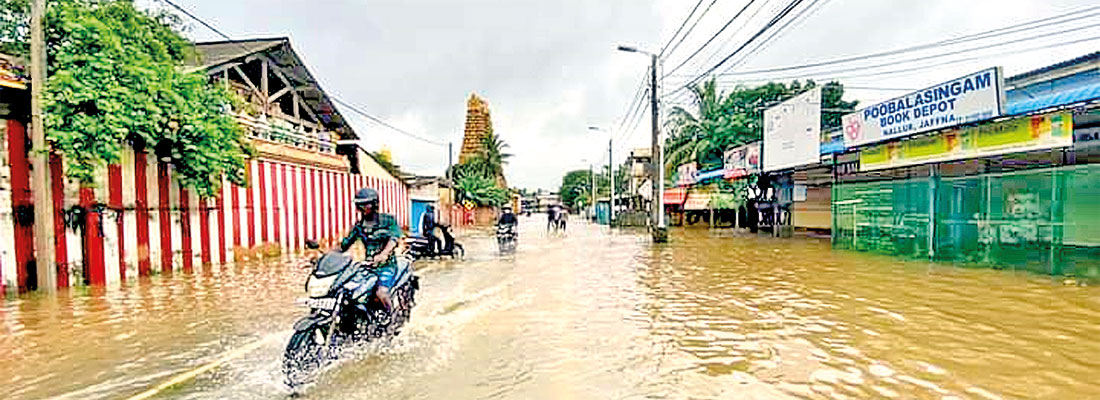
x: 366, y: 195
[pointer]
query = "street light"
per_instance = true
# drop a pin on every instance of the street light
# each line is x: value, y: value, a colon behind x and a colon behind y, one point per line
x: 611, y: 173
x: 591, y: 188
x: 660, y: 232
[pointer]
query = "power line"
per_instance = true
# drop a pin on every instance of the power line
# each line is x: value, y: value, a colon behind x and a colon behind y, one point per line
x: 732, y: 36
x: 691, y: 29
x: 333, y: 98
x: 1016, y: 28
x: 682, y: 24
x: 635, y: 120
x: 638, y: 95
x: 951, y: 53
x: 798, y: 18
x: 778, y: 17
x: 825, y: 75
x: 723, y: 29
x: 1021, y: 27
x: 197, y: 19
x: 386, y: 124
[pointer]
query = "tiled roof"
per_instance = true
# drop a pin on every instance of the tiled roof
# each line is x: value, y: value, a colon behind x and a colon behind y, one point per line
x: 216, y: 53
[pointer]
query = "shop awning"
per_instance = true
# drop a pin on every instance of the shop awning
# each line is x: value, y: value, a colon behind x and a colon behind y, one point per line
x: 1086, y: 93
x: 697, y: 201
x: 717, y: 173
x: 675, y: 196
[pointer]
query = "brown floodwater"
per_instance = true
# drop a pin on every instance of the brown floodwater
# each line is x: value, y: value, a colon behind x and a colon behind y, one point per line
x: 592, y: 314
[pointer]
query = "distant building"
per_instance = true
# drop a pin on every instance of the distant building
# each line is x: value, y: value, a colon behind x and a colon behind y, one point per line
x: 545, y: 199
x: 425, y: 191
x: 639, y: 162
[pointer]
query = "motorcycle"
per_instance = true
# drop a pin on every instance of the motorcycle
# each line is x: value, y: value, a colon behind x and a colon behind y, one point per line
x: 448, y: 246
x: 344, y: 309
x: 506, y: 238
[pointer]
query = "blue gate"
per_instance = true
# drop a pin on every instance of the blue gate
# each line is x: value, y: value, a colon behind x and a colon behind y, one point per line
x: 418, y: 209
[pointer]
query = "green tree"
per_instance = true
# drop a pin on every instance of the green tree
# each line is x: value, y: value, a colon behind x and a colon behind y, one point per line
x: 720, y: 120
x: 575, y: 188
x: 487, y: 165
x: 493, y: 155
x: 116, y: 75
x: 481, y: 190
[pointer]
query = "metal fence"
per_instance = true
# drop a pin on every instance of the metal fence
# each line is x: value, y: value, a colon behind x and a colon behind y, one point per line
x: 1045, y: 220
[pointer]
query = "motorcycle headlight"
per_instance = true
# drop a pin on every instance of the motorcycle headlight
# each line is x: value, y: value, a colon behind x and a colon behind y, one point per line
x: 319, y: 287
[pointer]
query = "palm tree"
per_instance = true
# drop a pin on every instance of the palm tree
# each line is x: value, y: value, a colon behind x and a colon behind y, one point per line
x: 695, y: 136
x: 724, y: 119
x: 493, y: 154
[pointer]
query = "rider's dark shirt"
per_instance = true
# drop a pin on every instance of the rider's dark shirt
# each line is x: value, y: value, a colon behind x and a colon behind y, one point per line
x: 427, y: 223
x: 374, y: 233
x: 507, y: 219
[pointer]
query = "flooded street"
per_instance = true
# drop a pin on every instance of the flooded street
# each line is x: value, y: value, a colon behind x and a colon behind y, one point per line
x: 593, y: 314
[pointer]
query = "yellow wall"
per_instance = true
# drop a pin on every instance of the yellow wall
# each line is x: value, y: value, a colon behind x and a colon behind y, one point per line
x: 815, y: 212
x: 369, y: 167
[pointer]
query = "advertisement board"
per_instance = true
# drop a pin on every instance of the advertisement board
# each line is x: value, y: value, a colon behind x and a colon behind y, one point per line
x: 742, y: 161
x: 1017, y: 135
x: 975, y: 97
x: 685, y: 174
x: 792, y: 132
x: 11, y: 75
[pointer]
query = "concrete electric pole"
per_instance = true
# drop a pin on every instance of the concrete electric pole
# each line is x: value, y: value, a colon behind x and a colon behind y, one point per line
x: 40, y: 164
x: 657, y: 220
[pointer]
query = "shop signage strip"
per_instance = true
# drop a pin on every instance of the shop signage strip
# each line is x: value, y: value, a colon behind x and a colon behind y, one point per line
x: 1016, y: 135
x: 975, y: 97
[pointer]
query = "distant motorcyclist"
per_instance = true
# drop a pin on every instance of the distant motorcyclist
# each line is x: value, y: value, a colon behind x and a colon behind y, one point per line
x: 379, y: 234
x: 427, y: 228
x: 507, y: 218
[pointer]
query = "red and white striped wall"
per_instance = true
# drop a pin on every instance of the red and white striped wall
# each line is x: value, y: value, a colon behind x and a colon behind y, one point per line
x: 148, y: 224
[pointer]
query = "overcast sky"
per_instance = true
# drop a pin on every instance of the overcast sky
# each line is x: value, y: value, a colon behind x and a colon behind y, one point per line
x: 549, y: 68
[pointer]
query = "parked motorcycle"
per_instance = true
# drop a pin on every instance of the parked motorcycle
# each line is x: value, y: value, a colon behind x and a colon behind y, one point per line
x: 506, y: 238
x: 344, y: 309
x: 447, y: 247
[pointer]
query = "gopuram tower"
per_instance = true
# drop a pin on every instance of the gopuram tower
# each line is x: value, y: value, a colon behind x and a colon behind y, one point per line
x: 478, y: 126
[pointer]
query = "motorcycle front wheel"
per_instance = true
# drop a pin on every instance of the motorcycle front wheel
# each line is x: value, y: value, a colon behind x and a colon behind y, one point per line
x: 303, y: 356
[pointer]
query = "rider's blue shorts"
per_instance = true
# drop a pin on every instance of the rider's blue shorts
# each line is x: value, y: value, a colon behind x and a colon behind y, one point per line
x: 387, y: 275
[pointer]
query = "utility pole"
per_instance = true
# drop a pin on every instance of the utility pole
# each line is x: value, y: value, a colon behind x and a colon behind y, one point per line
x: 611, y: 172
x: 450, y: 179
x: 592, y: 192
x: 660, y: 234
x: 40, y: 164
x: 657, y: 220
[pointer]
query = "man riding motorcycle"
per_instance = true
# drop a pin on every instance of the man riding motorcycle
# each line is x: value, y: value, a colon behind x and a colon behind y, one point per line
x: 427, y: 228
x: 507, y: 217
x: 379, y: 234
x: 506, y: 230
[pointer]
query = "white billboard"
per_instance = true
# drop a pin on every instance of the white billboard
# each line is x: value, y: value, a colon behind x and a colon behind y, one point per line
x: 792, y: 132
x: 975, y: 97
